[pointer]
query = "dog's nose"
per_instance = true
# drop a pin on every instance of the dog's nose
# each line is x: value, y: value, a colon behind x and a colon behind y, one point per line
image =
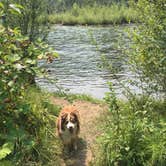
x: 71, y: 129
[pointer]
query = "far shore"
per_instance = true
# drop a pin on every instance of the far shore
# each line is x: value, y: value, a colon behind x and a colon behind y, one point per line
x: 98, y: 15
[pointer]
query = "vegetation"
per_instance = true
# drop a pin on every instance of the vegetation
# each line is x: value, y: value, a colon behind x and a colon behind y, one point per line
x: 28, y: 17
x: 65, y: 5
x: 28, y: 131
x: 148, y: 51
x: 134, y: 132
x: 92, y: 15
x: 25, y: 122
x: 135, y: 129
x: 36, y: 15
x: 72, y: 97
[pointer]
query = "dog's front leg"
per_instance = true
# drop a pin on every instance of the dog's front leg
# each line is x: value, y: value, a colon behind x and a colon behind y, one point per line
x: 67, y: 148
x: 75, y: 143
x: 70, y: 147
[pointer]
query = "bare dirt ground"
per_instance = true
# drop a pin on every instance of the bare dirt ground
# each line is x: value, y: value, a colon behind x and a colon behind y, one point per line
x: 89, y: 114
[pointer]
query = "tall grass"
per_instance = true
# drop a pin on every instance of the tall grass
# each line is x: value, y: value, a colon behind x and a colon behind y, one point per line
x: 33, y: 134
x: 47, y: 151
x: 115, y: 14
x: 134, y: 133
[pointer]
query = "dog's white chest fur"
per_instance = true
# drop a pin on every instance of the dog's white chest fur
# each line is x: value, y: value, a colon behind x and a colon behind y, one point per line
x: 67, y: 136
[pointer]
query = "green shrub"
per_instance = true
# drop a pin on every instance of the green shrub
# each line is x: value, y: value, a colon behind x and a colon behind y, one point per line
x: 24, y: 117
x: 148, y: 49
x: 42, y: 118
x: 28, y: 131
x: 134, y: 133
x: 32, y: 18
x: 135, y: 130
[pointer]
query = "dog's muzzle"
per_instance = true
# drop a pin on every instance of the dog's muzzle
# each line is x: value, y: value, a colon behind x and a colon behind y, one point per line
x: 70, y: 126
x: 71, y: 129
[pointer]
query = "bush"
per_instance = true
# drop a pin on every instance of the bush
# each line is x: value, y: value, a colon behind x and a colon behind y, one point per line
x: 148, y: 49
x: 30, y: 16
x: 134, y: 133
x: 24, y: 117
x: 27, y: 130
x: 135, y: 130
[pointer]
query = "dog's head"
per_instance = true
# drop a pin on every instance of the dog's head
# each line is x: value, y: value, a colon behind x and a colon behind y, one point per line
x: 70, y: 122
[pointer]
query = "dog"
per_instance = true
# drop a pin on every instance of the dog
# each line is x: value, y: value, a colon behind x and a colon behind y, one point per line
x: 68, y: 127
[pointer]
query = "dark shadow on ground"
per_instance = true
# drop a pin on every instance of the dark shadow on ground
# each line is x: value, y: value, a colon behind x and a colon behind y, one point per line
x: 77, y: 158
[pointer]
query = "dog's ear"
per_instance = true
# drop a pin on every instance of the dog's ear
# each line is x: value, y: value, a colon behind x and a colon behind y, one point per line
x: 77, y: 118
x: 63, y: 120
x: 60, y: 123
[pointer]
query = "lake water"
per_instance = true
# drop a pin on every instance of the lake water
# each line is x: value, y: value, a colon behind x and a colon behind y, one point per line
x: 80, y: 48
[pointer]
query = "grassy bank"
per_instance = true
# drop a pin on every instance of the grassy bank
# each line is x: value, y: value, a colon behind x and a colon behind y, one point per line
x: 32, y: 139
x: 133, y: 133
x: 73, y: 97
x: 97, y: 15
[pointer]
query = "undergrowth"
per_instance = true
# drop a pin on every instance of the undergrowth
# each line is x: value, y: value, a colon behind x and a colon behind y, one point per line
x: 96, y: 15
x: 135, y: 129
x: 30, y: 133
x: 134, y: 132
x: 27, y: 119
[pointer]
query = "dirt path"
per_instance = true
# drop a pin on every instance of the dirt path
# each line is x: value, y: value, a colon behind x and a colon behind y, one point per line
x: 89, y: 113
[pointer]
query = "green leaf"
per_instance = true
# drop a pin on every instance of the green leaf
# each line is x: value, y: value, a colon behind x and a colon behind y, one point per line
x: 6, y: 149
x: 55, y: 54
x: 1, y: 5
x: 15, y: 8
x: 13, y: 58
x: 30, y: 61
x: 10, y: 83
x: 2, y: 29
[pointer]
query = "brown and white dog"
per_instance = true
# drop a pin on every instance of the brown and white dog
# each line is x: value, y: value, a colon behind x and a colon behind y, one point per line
x: 68, y: 127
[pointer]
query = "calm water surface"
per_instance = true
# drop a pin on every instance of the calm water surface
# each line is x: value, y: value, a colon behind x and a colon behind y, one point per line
x: 78, y: 70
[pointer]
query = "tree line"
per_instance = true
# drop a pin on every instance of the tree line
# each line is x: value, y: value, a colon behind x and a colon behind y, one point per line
x: 63, y: 5
x: 33, y: 20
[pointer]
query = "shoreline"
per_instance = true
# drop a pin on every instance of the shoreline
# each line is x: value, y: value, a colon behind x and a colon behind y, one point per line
x: 93, y: 25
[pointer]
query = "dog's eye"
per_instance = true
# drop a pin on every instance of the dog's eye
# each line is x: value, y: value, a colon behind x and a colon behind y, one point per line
x: 73, y: 120
x: 66, y: 122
